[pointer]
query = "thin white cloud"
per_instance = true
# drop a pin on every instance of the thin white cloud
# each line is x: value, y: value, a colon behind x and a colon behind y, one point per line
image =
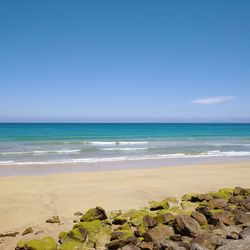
x: 213, y: 100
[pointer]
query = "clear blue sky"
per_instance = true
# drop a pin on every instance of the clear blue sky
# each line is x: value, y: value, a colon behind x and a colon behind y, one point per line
x: 133, y: 60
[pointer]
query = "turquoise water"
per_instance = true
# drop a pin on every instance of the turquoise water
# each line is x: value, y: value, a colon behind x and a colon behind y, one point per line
x: 87, y: 143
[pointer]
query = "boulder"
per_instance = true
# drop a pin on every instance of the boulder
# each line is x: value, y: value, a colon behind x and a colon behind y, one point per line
x: 185, y: 225
x: 225, y: 217
x: 217, y: 203
x: 92, y: 214
x: 209, y: 215
x: 245, y: 233
x: 149, y: 221
x: 199, y: 217
x: 232, y: 232
x: 46, y: 243
x: 241, y: 217
x: 117, y: 244
x: 144, y: 245
x: 234, y: 244
x: 119, y: 221
x: 158, y: 233
x: 158, y: 205
x: 168, y: 244
x: 205, y: 240
x: 240, y: 191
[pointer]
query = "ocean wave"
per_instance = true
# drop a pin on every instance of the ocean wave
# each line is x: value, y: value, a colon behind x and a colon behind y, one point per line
x: 213, y: 153
x: 42, y: 152
x: 122, y: 149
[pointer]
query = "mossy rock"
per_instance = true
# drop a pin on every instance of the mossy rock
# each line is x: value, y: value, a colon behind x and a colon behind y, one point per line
x: 90, y: 226
x: 92, y: 214
x: 188, y: 197
x: 125, y: 226
x: 119, y: 220
x: 21, y: 244
x: 47, y: 243
x: 159, y: 205
x: 173, y: 210
x: 99, y: 232
x: 73, y: 245
x: 224, y: 193
x: 141, y: 230
x: 188, y: 205
x: 115, y: 214
x: 63, y: 237
x: 124, y: 234
x: 79, y: 234
x: 133, y: 213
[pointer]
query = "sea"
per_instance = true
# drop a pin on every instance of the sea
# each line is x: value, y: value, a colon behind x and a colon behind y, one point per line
x: 125, y: 144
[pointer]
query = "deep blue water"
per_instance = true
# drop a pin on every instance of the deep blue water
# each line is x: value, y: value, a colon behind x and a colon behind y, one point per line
x: 62, y: 143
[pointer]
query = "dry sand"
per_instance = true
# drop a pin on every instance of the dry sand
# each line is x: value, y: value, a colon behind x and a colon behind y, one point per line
x: 29, y: 201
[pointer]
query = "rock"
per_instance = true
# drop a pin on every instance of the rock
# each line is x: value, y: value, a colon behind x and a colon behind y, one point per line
x: 201, y: 197
x: 9, y: 234
x: 209, y: 215
x: 235, y: 244
x: 53, y: 219
x: 224, y: 193
x: 121, y: 234
x: 246, y: 204
x: 28, y: 230
x: 217, y: 203
x: 78, y: 213
x: 232, y: 232
x: 158, y: 233
x: 205, y: 240
x: 92, y: 214
x: 149, y: 221
x: 240, y: 191
x: 115, y: 214
x: 186, y: 225
x: 165, y: 218
x: 46, y: 243
x: 129, y: 247
x: 175, y: 237
x: 237, y: 200
x: 245, y: 233
x: 73, y: 245
x: 116, y: 244
x: 158, y: 205
x: 144, y: 245
x: 79, y: 234
x: 225, y: 217
x: 167, y: 244
x: 241, y: 217
x: 119, y: 221
x: 199, y: 217
x: 196, y: 246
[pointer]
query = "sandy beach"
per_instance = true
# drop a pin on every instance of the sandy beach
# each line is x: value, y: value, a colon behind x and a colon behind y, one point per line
x: 30, y: 200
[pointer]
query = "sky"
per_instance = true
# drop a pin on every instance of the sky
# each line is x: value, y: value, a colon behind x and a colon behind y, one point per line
x: 125, y: 61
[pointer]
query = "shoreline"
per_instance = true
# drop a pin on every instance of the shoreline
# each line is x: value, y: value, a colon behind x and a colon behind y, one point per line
x: 67, y: 168
x: 30, y: 200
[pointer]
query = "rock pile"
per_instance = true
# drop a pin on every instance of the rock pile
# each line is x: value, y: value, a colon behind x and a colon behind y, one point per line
x: 217, y: 220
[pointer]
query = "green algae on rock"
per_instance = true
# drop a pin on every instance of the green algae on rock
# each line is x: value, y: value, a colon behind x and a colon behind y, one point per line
x: 97, y: 213
x: 47, y: 243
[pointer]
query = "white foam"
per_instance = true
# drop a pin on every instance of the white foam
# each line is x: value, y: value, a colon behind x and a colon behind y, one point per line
x: 132, y: 142
x: 214, y: 153
x: 122, y: 149
x: 41, y: 152
x: 103, y: 142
